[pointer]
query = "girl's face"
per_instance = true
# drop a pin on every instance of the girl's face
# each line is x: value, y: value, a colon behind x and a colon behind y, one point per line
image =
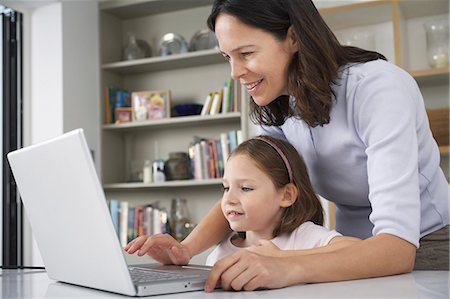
x: 257, y: 58
x: 250, y: 200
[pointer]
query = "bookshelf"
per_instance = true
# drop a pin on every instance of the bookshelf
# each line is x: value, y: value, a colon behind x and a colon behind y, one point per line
x: 399, y: 35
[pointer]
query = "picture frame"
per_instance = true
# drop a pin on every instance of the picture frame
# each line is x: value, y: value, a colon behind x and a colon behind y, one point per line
x: 123, y: 115
x: 150, y: 104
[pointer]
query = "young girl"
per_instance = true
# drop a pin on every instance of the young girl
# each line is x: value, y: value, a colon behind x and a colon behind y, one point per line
x: 268, y: 196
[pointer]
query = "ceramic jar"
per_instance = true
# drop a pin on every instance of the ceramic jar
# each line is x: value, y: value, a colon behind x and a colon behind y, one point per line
x: 177, y: 167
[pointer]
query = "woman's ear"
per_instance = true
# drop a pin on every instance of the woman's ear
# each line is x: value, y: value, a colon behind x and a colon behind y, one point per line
x: 289, y: 196
x: 292, y: 40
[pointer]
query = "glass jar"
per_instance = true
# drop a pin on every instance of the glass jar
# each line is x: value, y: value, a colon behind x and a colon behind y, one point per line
x: 177, y: 167
x: 158, y: 171
x: 437, y: 42
x: 132, y: 49
x: 179, y: 218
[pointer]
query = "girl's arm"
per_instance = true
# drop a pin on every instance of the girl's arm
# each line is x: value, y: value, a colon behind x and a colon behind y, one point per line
x: 211, y: 230
x: 166, y: 250
x: 380, y: 255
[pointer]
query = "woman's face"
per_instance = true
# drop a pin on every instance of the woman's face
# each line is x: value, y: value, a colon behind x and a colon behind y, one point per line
x: 257, y: 58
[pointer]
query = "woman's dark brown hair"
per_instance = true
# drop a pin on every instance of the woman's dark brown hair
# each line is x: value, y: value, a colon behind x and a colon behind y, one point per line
x: 313, y: 68
x: 307, y: 207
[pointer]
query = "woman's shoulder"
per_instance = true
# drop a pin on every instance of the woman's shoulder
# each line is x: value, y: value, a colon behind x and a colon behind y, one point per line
x: 374, y: 68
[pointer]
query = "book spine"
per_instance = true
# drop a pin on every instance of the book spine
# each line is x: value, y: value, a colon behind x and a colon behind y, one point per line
x: 115, y: 210
x: 206, y: 109
x: 123, y: 223
x: 225, y: 147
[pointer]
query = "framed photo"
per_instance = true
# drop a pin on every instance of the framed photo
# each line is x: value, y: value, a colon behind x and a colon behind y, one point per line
x: 123, y: 114
x: 147, y: 105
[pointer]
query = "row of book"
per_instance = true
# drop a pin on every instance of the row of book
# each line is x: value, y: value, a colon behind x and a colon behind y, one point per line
x: 209, y: 155
x: 130, y: 222
x: 115, y: 98
x: 226, y: 99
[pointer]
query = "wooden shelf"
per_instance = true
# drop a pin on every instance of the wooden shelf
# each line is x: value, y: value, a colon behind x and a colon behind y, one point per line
x: 140, y: 8
x: 168, y: 184
x: 432, y: 76
x: 414, y: 9
x: 444, y: 150
x: 175, y: 121
x: 154, y: 64
x: 357, y: 14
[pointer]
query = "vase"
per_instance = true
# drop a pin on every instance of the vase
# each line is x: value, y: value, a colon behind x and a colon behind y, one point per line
x: 437, y: 42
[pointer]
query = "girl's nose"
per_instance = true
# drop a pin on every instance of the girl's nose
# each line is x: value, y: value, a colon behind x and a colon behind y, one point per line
x: 229, y: 198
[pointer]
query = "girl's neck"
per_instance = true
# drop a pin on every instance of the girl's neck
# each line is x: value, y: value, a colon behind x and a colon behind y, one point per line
x: 251, y: 238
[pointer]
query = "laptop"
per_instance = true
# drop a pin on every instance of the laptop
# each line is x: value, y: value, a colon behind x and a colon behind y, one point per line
x: 68, y: 213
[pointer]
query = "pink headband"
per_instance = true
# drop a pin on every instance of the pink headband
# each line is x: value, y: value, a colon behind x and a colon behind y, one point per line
x: 282, y: 155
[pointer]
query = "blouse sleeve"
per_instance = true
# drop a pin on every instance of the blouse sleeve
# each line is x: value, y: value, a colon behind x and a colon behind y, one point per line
x: 386, y: 104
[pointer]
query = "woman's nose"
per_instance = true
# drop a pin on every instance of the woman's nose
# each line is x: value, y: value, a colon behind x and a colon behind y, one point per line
x: 237, y: 70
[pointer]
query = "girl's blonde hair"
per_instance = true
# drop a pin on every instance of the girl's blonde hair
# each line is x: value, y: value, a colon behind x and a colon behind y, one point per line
x: 307, y: 207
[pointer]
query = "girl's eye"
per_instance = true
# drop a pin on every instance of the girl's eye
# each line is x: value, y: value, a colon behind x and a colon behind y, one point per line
x: 246, y: 54
x: 226, y: 57
x: 225, y: 189
x: 246, y: 189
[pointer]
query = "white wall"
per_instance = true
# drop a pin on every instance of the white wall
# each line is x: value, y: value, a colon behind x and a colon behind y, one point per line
x: 80, y: 48
x: 61, y: 79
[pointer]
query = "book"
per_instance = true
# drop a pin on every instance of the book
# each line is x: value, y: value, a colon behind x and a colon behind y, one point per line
x: 239, y: 137
x: 115, y: 210
x: 225, y: 147
x: 206, y: 109
x: 216, y: 103
x: 198, y: 163
x: 232, y: 140
x: 123, y: 223
x: 205, y: 159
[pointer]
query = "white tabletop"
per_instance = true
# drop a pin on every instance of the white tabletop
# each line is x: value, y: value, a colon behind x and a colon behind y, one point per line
x: 419, y: 284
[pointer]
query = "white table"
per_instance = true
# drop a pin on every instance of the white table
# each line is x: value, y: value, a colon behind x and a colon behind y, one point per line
x: 419, y: 284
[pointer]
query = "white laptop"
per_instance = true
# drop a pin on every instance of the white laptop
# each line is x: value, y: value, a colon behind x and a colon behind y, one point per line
x: 70, y: 219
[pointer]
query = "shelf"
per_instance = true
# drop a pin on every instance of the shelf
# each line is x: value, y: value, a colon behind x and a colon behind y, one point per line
x: 140, y: 8
x: 357, y: 14
x: 161, y: 63
x: 379, y: 11
x: 414, y: 9
x: 432, y: 76
x: 175, y: 121
x: 168, y: 184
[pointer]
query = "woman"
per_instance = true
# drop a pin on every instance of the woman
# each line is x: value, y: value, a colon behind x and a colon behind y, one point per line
x: 359, y: 123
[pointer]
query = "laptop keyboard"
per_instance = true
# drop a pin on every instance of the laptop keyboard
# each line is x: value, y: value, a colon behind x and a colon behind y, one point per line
x: 139, y: 275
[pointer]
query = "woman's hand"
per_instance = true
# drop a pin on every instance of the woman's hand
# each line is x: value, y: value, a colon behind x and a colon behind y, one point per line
x: 246, y: 270
x: 267, y: 248
x: 162, y: 247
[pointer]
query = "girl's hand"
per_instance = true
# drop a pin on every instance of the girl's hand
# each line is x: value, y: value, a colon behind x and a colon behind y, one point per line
x: 162, y: 247
x: 246, y: 270
x: 267, y: 248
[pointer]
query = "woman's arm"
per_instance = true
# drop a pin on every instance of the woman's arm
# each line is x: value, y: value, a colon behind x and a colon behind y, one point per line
x: 267, y: 248
x: 381, y: 255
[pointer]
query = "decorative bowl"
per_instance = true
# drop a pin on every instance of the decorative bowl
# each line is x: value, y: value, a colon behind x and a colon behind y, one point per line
x: 187, y: 109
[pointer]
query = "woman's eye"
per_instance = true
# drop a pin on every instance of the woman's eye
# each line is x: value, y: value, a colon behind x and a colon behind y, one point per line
x: 246, y: 54
x: 246, y: 189
x: 226, y: 57
x: 225, y: 189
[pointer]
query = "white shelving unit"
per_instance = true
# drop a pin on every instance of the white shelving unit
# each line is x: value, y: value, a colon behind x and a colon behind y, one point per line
x: 399, y: 35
